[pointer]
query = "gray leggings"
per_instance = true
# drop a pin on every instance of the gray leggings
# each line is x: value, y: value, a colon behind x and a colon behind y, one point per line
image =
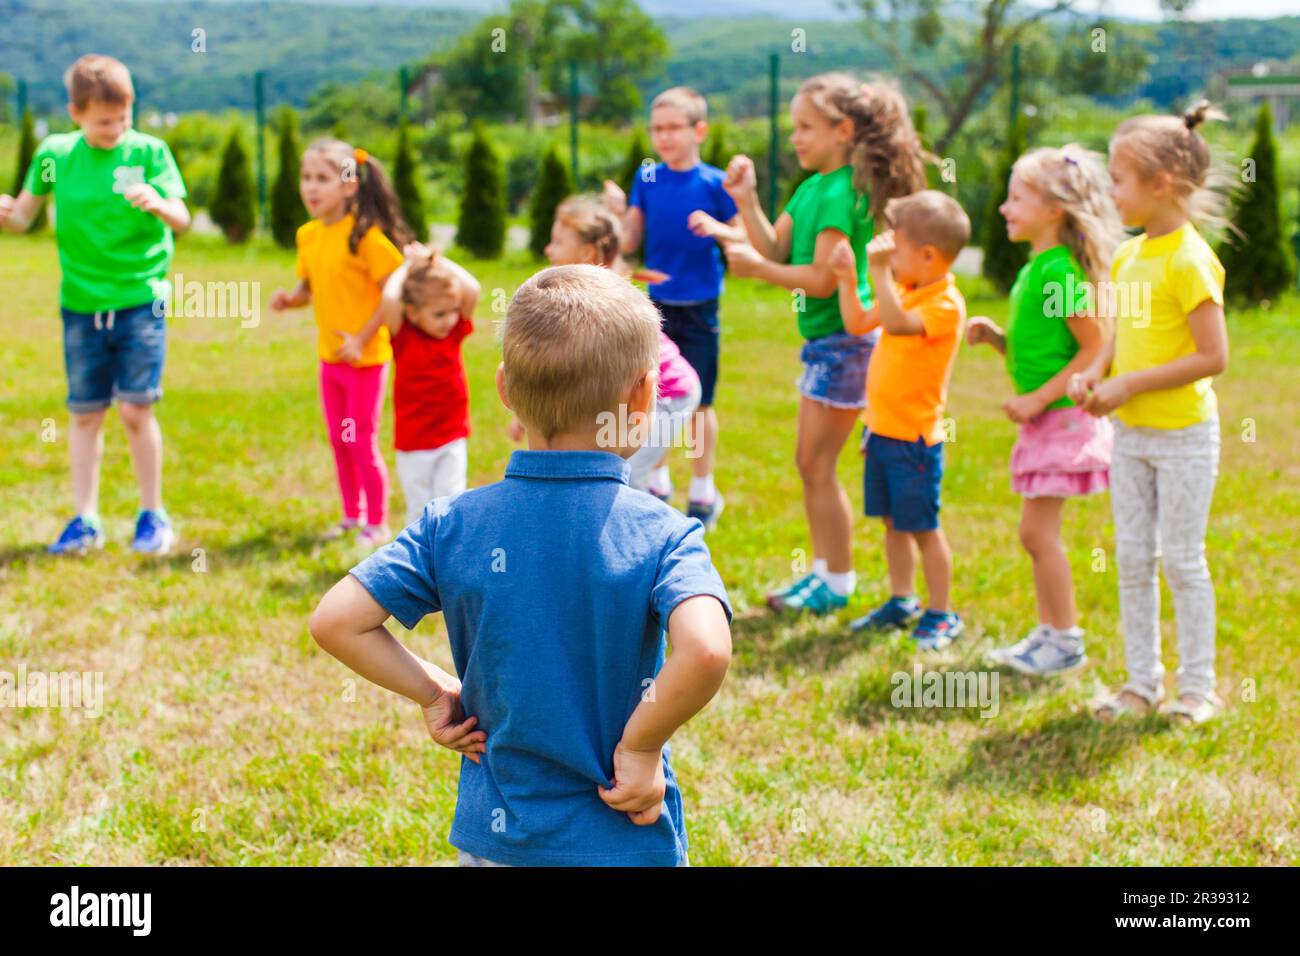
x: 1161, y: 483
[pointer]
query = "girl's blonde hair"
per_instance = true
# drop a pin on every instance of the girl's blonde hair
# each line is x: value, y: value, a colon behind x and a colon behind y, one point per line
x: 594, y: 224
x: 888, y: 159
x: 1172, y: 144
x: 375, y: 203
x: 428, y: 279
x: 1075, y: 179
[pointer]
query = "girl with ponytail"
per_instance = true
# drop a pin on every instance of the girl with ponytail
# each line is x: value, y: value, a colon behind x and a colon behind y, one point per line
x: 858, y: 141
x: 345, y: 254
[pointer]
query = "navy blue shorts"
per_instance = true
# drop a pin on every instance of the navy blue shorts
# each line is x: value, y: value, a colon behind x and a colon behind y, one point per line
x: 694, y: 330
x: 901, y: 482
x: 117, y: 353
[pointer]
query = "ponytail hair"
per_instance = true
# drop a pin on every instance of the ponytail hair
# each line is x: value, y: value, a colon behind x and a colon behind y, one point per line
x: 1074, y: 179
x: 594, y: 225
x: 374, y: 203
x: 887, y: 157
x: 1174, y: 144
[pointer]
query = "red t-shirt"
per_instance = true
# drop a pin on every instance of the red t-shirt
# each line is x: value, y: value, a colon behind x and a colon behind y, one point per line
x: 430, y: 390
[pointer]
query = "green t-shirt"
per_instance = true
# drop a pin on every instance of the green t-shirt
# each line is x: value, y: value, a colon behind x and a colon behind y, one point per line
x: 828, y: 201
x: 1050, y: 288
x: 112, y: 254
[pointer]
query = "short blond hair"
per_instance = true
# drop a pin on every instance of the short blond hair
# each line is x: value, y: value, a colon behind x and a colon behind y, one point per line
x: 95, y: 77
x: 690, y: 102
x: 576, y: 339
x: 931, y: 218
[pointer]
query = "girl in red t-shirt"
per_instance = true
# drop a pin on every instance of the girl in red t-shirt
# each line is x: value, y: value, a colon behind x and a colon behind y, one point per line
x: 428, y: 302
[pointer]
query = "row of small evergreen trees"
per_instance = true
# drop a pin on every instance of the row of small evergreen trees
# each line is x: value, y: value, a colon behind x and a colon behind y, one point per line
x: 1253, y: 254
x: 1253, y: 251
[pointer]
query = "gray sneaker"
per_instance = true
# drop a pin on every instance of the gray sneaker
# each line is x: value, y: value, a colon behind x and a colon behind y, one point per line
x: 1055, y: 652
x: 1001, y: 655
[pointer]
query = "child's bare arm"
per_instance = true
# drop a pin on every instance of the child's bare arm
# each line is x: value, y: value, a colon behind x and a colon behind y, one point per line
x: 815, y: 278
x: 16, y: 215
x: 470, y: 288
x: 299, y: 296
x: 349, y: 624
x: 856, y: 319
x: 700, y: 638
x: 172, y: 211
x: 390, y: 302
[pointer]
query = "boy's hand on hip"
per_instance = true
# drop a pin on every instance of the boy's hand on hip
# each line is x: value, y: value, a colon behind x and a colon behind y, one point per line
x: 638, y: 784
x: 449, y: 727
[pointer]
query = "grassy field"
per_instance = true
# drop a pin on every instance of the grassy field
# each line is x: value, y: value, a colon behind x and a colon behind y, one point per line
x: 227, y: 737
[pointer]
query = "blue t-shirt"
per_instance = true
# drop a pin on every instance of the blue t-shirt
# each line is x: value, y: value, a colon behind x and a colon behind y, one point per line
x: 556, y: 585
x: 666, y: 199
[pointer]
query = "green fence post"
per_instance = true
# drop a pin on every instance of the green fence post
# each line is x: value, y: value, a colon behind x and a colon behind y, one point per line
x: 22, y: 100
x: 403, y: 80
x: 774, y: 77
x: 259, y: 102
x: 1014, y: 112
x: 573, y: 121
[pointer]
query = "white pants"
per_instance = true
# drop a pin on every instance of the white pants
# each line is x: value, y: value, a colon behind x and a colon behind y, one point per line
x: 1161, y: 483
x: 672, y: 416
x: 426, y: 475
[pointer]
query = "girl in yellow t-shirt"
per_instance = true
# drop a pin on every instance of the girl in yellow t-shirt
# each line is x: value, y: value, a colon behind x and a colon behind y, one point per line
x: 345, y: 253
x: 1170, y: 339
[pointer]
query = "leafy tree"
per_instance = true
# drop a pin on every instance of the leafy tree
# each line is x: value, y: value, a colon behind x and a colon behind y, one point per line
x: 287, y: 210
x: 482, y: 226
x: 1003, y: 258
x: 26, y: 150
x: 553, y: 186
x: 1255, y: 257
x: 232, y: 208
x: 715, y: 148
x: 406, y: 183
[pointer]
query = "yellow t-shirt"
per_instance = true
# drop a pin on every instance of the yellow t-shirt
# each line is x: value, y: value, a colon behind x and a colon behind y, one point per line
x: 1157, y: 283
x: 345, y: 288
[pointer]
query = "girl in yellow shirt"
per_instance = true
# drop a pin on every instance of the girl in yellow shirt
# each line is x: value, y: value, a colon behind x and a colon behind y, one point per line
x: 345, y: 253
x: 1170, y: 339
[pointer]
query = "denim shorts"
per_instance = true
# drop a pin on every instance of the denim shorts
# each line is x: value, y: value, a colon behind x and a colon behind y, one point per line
x: 114, y: 354
x: 835, y: 369
x: 694, y: 329
x: 901, y: 482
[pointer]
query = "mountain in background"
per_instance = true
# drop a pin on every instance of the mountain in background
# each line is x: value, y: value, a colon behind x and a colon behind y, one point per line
x: 301, y: 46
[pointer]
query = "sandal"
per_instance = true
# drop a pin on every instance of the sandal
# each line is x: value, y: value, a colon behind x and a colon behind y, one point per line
x: 340, y: 530
x: 1195, y: 708
x: 1126, y: 702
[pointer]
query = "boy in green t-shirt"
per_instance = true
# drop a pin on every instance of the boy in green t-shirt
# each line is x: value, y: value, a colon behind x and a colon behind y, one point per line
x: 118, y: 199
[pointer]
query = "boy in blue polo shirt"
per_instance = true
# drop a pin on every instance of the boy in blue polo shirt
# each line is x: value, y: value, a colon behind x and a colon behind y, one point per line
x: 556, y: 586
x: 665, y: 207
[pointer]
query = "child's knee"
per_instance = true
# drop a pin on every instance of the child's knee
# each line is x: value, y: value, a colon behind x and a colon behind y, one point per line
x: 88, y: 421
x: 1036, y: 540
x: 135, y: 417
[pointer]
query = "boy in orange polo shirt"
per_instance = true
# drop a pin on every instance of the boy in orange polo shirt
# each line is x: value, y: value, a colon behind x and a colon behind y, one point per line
x: 922, y: 315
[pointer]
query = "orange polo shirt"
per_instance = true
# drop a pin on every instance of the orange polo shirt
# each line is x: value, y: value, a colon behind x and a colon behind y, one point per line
x: 346, y: 286
x: 907, y: 381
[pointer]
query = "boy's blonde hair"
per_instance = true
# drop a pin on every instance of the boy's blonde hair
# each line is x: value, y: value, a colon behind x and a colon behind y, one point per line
x: 595, y: 225
x: 576, y: 339
x: 931, y: 218
x: 887, y: 156
x: 95, y: 77
x: 428, y: 279
x: 1172, y: 144
x: 1074, y: 179
x: 689, y: 101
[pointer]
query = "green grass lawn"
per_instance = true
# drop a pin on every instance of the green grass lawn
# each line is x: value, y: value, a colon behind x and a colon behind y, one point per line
x: 227, y: 737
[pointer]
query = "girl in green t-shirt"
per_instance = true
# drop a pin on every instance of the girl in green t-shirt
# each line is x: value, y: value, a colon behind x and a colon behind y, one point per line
x: 1058, y: 202
x: 857, y: 140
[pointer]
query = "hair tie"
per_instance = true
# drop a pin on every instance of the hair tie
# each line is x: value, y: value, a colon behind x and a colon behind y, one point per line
x: 1070, y: 159
x: 360, y: 155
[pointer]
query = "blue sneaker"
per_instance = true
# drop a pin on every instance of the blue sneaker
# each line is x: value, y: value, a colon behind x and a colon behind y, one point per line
x: 896, y: 612
x: 816, y: 596
x: 153, y: 533
x: 936, y: 630
x: 78, y: 537
x: 776, y: 599
x: 707, y: 513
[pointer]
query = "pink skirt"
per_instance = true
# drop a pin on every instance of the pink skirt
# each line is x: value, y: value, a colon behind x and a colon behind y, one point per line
x: 1062, y: 453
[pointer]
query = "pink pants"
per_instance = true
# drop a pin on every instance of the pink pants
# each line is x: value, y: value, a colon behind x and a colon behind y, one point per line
x: 353, y: 399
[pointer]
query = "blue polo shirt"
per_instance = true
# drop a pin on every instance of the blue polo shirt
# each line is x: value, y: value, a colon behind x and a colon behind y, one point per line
x: 556, y: 585
x: 666, y: 199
